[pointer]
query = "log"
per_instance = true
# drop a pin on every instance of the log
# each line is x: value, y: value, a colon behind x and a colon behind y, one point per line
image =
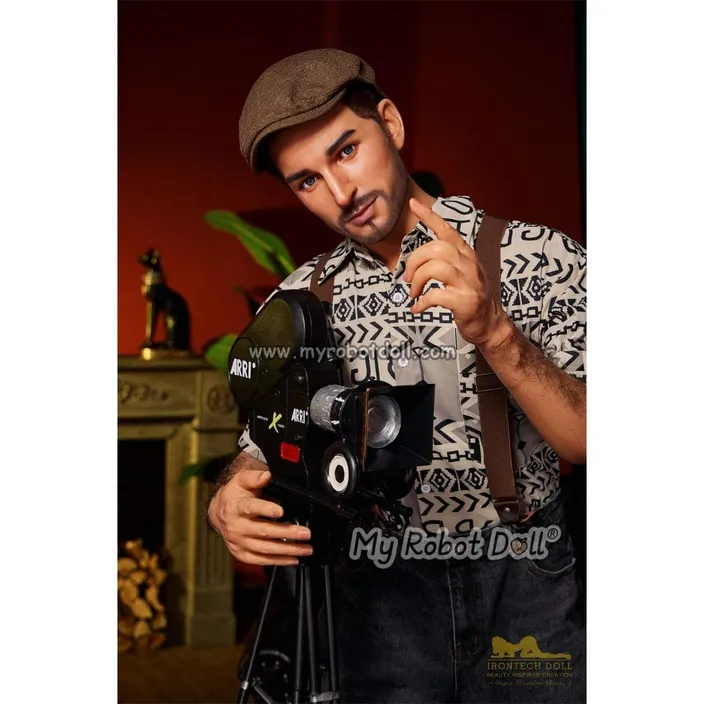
x: 124, y: 643
x: 125, y: 626
x: 134, y: 548
x: 151, y: 594
x: 141, y: 609
x: 141, y: 629
x: 157, y: 640
x: 157, y: 577
x: 158, y: 622
x: 129, y: 592
x: 142, y: 644
x: 142, y: 617
x: 138, y: 576
x: 125, y: 565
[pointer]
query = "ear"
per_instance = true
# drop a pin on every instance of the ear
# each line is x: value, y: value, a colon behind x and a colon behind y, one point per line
x: 394, y: 123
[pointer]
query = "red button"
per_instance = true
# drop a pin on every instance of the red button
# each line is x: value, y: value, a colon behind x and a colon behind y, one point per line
x: 290, y: 452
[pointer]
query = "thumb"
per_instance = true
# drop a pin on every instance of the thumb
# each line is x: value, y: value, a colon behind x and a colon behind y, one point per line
x: 253, y: 478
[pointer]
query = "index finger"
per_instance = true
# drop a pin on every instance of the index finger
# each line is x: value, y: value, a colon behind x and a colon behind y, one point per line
x: 270, y: 530
x: 251, y: 506
x: 443, y: 230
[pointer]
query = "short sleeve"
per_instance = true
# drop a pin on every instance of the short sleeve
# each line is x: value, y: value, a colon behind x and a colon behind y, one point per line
x: 299, y: 279
x: 564, y: 305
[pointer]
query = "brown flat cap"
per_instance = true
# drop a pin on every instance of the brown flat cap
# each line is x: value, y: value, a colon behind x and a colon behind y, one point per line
x: 295, y: 90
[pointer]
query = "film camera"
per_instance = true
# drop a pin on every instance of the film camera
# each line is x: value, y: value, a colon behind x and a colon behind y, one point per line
x: 340, y: 456
x: 332, y: 450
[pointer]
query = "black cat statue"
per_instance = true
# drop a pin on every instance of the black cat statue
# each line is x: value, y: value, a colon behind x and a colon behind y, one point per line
x: 164, y: 301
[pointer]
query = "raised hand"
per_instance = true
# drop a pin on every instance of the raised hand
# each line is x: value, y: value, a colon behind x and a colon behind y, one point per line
x: 450, y: 260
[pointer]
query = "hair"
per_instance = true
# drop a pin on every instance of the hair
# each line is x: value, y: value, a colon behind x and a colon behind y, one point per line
x: 430, y: 182
x: 362, y: 98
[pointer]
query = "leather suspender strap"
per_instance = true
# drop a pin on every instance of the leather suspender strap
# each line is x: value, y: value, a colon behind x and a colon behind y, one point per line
x: 491, y: 393
x: 324, y: 291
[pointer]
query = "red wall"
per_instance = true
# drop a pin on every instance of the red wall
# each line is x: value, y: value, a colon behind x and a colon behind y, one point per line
x: 487, y: 91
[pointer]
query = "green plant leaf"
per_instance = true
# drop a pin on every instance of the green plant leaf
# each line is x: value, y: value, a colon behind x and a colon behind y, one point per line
x: 266, y: 249
x: 207, y: 469
x: 216, y: 354
x: 197, y: 469
x: 260, y: 251
x: 276, y: 244
x: 252, y: 302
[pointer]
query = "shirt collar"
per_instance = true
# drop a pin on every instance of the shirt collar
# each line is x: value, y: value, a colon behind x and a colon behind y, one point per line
x: 459, y: 210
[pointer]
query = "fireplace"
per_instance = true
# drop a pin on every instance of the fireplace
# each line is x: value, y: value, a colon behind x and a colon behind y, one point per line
x: 172, y: 413
x: 141, y: 466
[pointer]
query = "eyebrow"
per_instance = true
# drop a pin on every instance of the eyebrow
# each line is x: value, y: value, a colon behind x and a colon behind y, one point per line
x: 328, y: 152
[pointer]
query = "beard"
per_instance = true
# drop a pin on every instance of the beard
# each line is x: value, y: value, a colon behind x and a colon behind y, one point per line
x: 395, y: 200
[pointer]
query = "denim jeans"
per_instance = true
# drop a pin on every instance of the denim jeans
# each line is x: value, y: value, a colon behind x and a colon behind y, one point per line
x: 464, y: 630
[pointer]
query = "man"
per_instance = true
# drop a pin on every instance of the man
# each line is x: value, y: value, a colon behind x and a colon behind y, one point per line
x: 406, y: 275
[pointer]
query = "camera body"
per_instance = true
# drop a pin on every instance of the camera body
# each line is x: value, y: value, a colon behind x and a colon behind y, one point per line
x: 339, y: 456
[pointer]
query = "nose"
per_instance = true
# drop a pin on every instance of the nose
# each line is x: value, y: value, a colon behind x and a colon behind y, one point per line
x: 342, y: 190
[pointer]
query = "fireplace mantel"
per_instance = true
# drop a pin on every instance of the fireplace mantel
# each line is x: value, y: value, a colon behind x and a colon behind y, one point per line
x: 186, y: 403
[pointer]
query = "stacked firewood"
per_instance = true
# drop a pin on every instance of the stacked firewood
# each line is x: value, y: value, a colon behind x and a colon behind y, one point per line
x: 141, y: 618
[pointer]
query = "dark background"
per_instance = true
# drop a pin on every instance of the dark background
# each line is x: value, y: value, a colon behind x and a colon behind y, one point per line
x: 489, y: 93
x: 493, y: 99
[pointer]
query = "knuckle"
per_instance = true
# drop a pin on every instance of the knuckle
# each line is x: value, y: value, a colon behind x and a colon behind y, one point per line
x: 228, y: 508
x: 234, y: 532
x: 439, y: 245
x: 218, y: 513
x: 234, y: 538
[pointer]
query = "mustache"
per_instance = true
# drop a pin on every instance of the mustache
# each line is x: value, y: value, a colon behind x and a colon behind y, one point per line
x: 360, y: 204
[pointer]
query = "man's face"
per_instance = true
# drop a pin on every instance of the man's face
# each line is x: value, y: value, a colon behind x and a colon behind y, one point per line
x: 346, y: 170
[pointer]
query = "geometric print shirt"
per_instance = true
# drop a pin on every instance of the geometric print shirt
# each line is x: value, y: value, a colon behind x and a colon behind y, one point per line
x: 543, y: 290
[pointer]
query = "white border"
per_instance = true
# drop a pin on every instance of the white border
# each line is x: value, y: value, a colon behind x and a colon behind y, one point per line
x: 644, y: 154
x: 58, y: 287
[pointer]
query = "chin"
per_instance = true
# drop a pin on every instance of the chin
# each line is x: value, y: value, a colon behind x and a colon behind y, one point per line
x: 369, y: 235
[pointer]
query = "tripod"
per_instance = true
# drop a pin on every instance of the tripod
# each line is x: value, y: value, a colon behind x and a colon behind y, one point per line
x: 329, y: 531
x: 305, y: 631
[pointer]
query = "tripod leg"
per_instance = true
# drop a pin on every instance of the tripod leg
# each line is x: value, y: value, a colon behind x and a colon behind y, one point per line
x: 246, y: 682
x: 332, y: 643
x: 310, y: 627
x: 300, y: 609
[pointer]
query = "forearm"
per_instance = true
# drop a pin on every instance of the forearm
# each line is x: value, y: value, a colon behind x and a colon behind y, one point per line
x: 554, y: 401
x: 242, y: 461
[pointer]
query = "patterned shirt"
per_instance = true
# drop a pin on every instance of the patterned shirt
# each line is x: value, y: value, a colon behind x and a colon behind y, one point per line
x: 543, y: 289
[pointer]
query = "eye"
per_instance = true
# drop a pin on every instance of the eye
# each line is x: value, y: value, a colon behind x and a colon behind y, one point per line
x: 348, y: 150
x: 307, y: 183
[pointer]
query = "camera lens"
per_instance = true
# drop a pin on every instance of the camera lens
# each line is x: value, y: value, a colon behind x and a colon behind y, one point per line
x: 325, y: 406
x: 383, y: 421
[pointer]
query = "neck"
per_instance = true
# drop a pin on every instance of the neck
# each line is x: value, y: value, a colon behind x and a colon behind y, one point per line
x: 389, y: 249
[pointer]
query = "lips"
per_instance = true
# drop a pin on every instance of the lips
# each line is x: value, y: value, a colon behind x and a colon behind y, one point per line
x: 363, y: 215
